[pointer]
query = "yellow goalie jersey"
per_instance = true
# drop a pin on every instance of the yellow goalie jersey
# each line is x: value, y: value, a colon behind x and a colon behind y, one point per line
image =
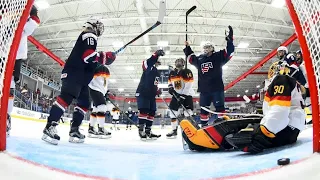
x: 283, y: 105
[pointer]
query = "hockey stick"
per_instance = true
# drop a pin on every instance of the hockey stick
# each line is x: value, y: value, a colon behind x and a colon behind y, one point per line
x: 124, y: 113
x: 187, y: 13
x: 235, y: 114
x: 162, y: 12
x: 184, y: 144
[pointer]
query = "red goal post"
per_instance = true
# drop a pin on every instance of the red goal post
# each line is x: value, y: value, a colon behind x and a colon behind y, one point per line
x: 305, y: 15
x: 13, y: 16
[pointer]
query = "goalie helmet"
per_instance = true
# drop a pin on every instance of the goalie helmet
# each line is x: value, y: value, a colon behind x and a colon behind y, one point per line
x: 179, y: 63
x: 96, y: 25
x: 279, y: 67
x: 208, y: 47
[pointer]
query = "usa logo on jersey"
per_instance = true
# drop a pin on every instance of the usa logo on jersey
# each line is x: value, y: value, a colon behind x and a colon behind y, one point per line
x: 206, y: 66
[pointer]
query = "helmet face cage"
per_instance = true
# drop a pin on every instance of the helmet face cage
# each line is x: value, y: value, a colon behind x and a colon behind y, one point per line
x: 208, y: 47
x: 96, y: 25
x: 179, y: 63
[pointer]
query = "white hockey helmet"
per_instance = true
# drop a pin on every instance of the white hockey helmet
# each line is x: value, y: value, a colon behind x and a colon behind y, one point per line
x: 96, y: 25
x: 129, y: 109
x: 208, y: 47
x: 283, y: 48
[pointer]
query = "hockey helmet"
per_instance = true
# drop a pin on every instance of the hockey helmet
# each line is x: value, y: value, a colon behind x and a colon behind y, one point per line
x: 179, y: 63
x: 278, y: 67
x: 96, y: 25
x: 208, y: 47
x: 290, y: 59
x: 299, y: 56
x: 281, y: 52
x: 129, y: 109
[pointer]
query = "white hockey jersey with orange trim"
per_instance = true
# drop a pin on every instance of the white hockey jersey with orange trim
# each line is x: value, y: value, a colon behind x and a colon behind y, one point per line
x: 100, y: 79
x: 182, y: 81
x: 283, y: 105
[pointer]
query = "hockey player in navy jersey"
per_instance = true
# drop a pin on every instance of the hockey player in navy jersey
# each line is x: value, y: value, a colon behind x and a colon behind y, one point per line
x: 130, y: 114
x: 210, y: 83
x: 146, y: 92
x: 296, y: 72
x: 180, y: 87
x: 98, y: 89
x: 76, y: 75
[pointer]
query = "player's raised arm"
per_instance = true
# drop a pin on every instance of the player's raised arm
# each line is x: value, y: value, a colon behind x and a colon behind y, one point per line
x: 149, y: 63
x: 228, y: 52
x: 32, y: 23
x: 191, y: 57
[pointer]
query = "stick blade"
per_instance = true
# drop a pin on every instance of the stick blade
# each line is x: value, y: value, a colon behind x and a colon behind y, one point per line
x: 162, y: 11
x: 191, y: 9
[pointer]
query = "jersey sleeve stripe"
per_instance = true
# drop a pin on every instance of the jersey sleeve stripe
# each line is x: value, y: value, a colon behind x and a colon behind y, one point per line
x: 189, y: 58
x: 266, y: 132
x: 144, y: 65
x: 88, y: 54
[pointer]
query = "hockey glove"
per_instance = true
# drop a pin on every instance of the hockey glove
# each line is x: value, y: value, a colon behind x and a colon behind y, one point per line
x: 181, y: 99
x: 261, y: 139
x: 171, y: 90
x: 159, y: 52
x: 106, y: 58
x: 187, y: 51
x: 229, y: 35
x: 159, y: 92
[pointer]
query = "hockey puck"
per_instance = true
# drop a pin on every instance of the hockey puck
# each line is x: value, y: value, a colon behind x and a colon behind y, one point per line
x: 283, y: 161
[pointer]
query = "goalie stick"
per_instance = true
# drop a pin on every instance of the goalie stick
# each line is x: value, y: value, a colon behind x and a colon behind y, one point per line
x: 184, y: 144
x: 187, y: 14
x: 162, y: 12
x: 235, y: 114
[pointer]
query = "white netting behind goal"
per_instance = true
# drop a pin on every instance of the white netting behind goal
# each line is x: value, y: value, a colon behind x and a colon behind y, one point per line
x: 308, y: 12
x: 11, y: 12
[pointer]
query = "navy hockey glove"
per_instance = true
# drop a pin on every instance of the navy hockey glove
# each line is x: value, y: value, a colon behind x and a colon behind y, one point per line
x: 171, y: 90
x: 229, y: 36
x: 187, y: 51
x: 159, y: 52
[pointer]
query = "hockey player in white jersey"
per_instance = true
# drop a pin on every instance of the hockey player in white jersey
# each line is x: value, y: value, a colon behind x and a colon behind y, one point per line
x: 115, y: 113
x: 284, y: 118
x: 180, y: 86
x: 22, y: 55
x: 98, y: 89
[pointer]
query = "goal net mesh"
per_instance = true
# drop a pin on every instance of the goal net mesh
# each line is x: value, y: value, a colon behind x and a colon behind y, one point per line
x: 308, y: 15
x: 11, y: 12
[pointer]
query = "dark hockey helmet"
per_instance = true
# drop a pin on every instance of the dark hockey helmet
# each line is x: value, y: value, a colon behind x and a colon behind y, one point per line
x: 299, y: 56
x: 179, y: 63
x: 96, y: 25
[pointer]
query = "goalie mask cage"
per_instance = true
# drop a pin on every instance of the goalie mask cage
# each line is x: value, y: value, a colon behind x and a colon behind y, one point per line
x: 13, y: 16
x: 305, y: 15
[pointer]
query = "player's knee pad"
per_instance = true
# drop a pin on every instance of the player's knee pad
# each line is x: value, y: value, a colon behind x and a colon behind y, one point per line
x: 101, y: 108
x: 143, y: 113
x: 174, y: 114
x: 188, y: 113
x: 204, y: 117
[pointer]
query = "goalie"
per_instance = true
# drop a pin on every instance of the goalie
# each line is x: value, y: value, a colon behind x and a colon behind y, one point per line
x: 284, y: 118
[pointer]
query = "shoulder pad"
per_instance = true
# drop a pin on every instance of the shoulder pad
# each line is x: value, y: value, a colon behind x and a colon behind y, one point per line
x: 87, y: 35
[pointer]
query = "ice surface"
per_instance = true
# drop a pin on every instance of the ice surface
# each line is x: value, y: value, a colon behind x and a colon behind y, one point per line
x: 124, y: 156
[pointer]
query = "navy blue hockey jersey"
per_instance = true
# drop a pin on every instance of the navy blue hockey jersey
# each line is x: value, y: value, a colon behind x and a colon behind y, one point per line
x: 130, y: 114
x: 210, y: 68
x: 149, y: 81
x: 81, y: 63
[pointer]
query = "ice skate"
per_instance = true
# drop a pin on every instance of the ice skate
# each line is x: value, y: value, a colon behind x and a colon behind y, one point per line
x: 75, y: 136
x: 103, y: 134
x: 151, y: 136
x: 50, y: 133
x: 92, y: 133
x: 118, y: 129
x: 8, y: 124
x: 142, y: 135
x: 173, y: 134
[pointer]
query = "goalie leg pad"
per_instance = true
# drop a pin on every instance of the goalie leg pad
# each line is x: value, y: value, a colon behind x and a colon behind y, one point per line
x: 198, y: 137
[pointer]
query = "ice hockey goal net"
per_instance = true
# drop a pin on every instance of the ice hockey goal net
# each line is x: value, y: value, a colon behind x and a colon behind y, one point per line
x: 13, y: 16
x: 305, y: 15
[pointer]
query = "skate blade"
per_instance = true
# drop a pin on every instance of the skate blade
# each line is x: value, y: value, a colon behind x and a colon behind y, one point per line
x: 49, y: 140
x: 143, y: 139
x: 104, y: 137
x: 172, y: 137
x: 76, y: 140
x: 92, y: 136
